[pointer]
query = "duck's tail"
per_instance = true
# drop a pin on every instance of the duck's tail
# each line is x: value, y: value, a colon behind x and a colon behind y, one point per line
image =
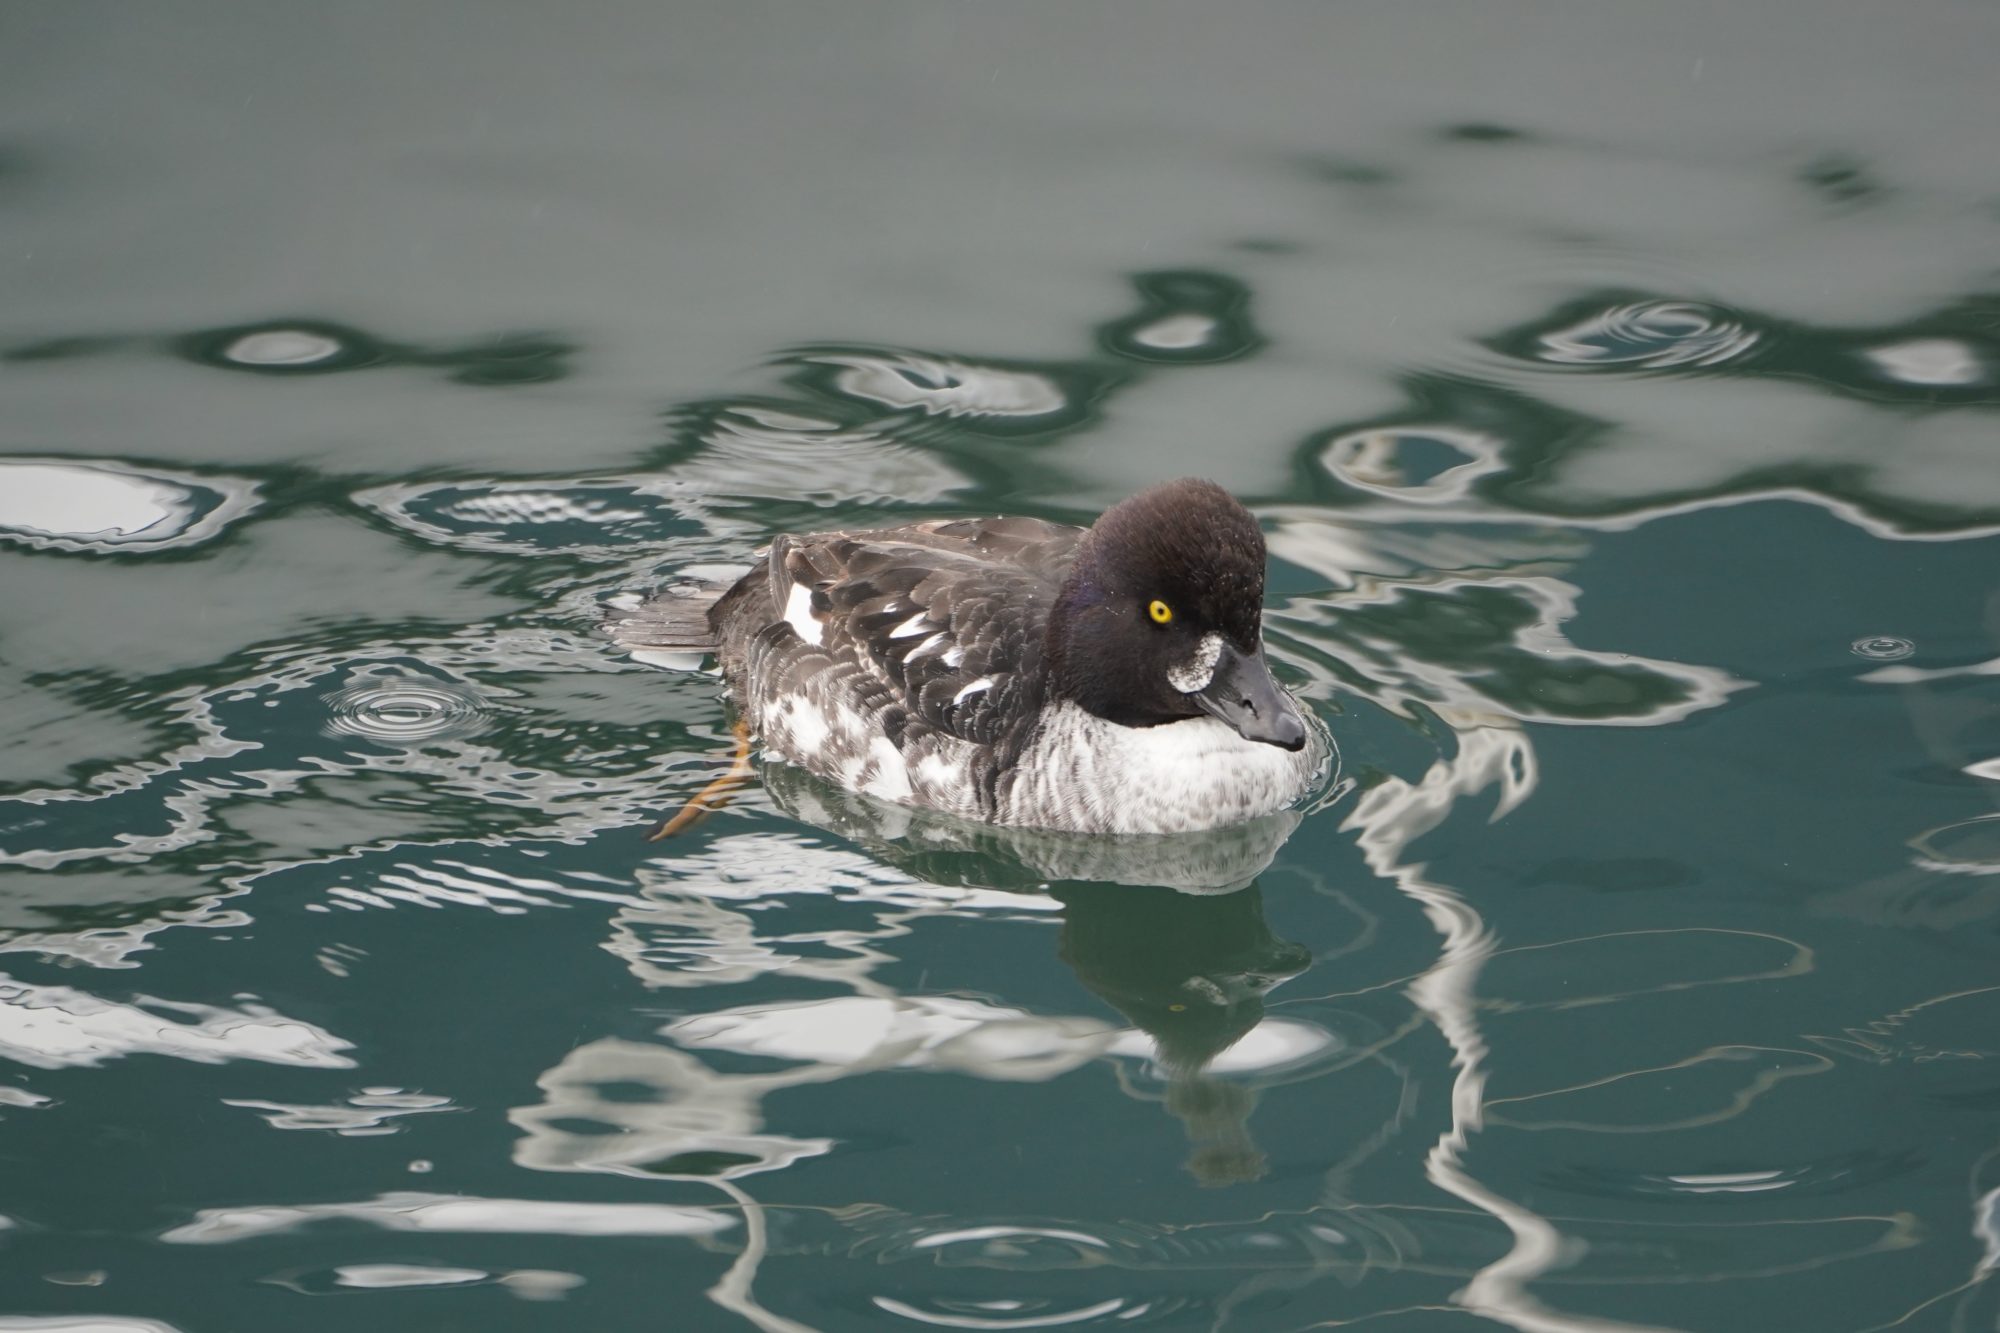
x: 671, y: 627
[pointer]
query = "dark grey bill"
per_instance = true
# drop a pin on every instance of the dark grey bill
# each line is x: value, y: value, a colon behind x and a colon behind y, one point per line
x: 1243, y: 694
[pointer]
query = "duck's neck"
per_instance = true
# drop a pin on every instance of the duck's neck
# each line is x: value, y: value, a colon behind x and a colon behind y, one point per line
x: 1085, y: 666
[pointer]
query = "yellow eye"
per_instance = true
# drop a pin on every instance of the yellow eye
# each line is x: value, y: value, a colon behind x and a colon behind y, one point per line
x: 1160, y: 612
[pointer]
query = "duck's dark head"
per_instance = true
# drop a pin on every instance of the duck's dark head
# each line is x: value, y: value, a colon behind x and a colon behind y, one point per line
x: 1161, y: 617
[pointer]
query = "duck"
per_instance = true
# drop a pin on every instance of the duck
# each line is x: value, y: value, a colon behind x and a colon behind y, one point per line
x: 1011, y: 670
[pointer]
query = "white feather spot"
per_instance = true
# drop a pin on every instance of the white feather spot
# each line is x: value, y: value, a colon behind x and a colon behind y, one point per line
x: 916, y: 624
x: 954, y: 657
x: 926, y: 646
x: 983, y: 683
x: 891, y: 779
x: 1195, y: 673
x: 798, y: 614
x: 805, y: 725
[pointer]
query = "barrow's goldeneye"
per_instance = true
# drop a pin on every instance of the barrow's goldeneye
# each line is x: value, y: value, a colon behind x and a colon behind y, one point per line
x: 1109, y: 679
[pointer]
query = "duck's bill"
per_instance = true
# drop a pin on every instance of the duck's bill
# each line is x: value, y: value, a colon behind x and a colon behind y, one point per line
x: 1242, y: 694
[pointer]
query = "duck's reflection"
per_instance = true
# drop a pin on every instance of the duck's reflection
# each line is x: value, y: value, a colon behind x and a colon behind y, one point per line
x: 1167, y: 929
x: 1191, y: 972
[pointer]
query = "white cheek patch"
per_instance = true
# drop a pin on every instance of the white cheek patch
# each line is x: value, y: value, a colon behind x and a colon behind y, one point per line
x: 1195, y: 673
x: 799, y: 615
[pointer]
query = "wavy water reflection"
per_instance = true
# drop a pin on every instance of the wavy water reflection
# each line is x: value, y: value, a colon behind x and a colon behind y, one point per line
x: 1534, y: 1015
x: 107, y: 506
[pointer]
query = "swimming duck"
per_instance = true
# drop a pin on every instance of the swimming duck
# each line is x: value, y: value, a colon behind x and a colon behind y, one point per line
x: 1016, y: 671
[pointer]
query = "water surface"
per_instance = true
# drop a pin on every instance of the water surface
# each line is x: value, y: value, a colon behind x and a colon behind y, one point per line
x: 1617, y: 391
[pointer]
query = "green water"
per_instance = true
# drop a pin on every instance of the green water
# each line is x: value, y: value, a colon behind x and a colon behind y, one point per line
x: 1616, y: 386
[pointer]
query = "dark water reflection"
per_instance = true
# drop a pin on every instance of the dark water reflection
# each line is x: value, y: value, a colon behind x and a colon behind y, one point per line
x: 1628, y: 474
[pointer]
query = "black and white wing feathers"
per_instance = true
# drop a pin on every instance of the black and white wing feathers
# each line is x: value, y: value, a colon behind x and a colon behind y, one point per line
x: 949, y: 616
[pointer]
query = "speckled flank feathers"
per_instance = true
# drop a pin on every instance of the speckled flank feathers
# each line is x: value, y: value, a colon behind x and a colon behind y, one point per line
x: 1001, y: 669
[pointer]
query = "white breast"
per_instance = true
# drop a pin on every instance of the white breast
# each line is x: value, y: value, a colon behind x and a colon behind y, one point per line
x: 1081, y: 772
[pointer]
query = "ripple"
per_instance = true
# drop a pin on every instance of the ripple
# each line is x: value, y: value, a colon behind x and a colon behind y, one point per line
x: 1013, y: 1312
x: 944, y: 387
x: 61, y: 505
x: 762, y: 449
x: 1185, y: 316
x: 1882, y: 647
x: 1648, y: 335
x: 405, y: 710
x: 533, y: 518
x: 1970, y: 847
x: 1012, y: 1242
x: 1420, y: 464
x: 1835, y: 1175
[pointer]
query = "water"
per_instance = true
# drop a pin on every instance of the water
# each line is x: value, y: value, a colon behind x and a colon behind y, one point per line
x: 1617, y: 389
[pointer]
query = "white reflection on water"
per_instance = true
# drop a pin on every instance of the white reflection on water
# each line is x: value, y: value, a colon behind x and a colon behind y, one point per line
x: 368, y: 1112
x: 528, y: 1284
x: 50, y: 1027
x: 934, y: 1032
x: 1177, y: 333
x: 1931, y: 361
x: 683, y: 933
x: 69, y: 505
x: 1387, y: 820
x: 82, y: 1323
x: 281, y: 347
x: 1274, y: 1045
x: 1639, y: 513
x: 1530, y: 672
x: 411, y: 1211
x: 639, y: 1109
x: 631, y: 1108
x: 385, y: 1277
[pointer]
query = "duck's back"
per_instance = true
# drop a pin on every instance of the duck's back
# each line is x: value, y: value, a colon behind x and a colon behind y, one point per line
x: 903, y: 662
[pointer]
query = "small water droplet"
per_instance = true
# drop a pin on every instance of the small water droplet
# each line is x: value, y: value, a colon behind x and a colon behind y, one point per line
x: 1882, y: 647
